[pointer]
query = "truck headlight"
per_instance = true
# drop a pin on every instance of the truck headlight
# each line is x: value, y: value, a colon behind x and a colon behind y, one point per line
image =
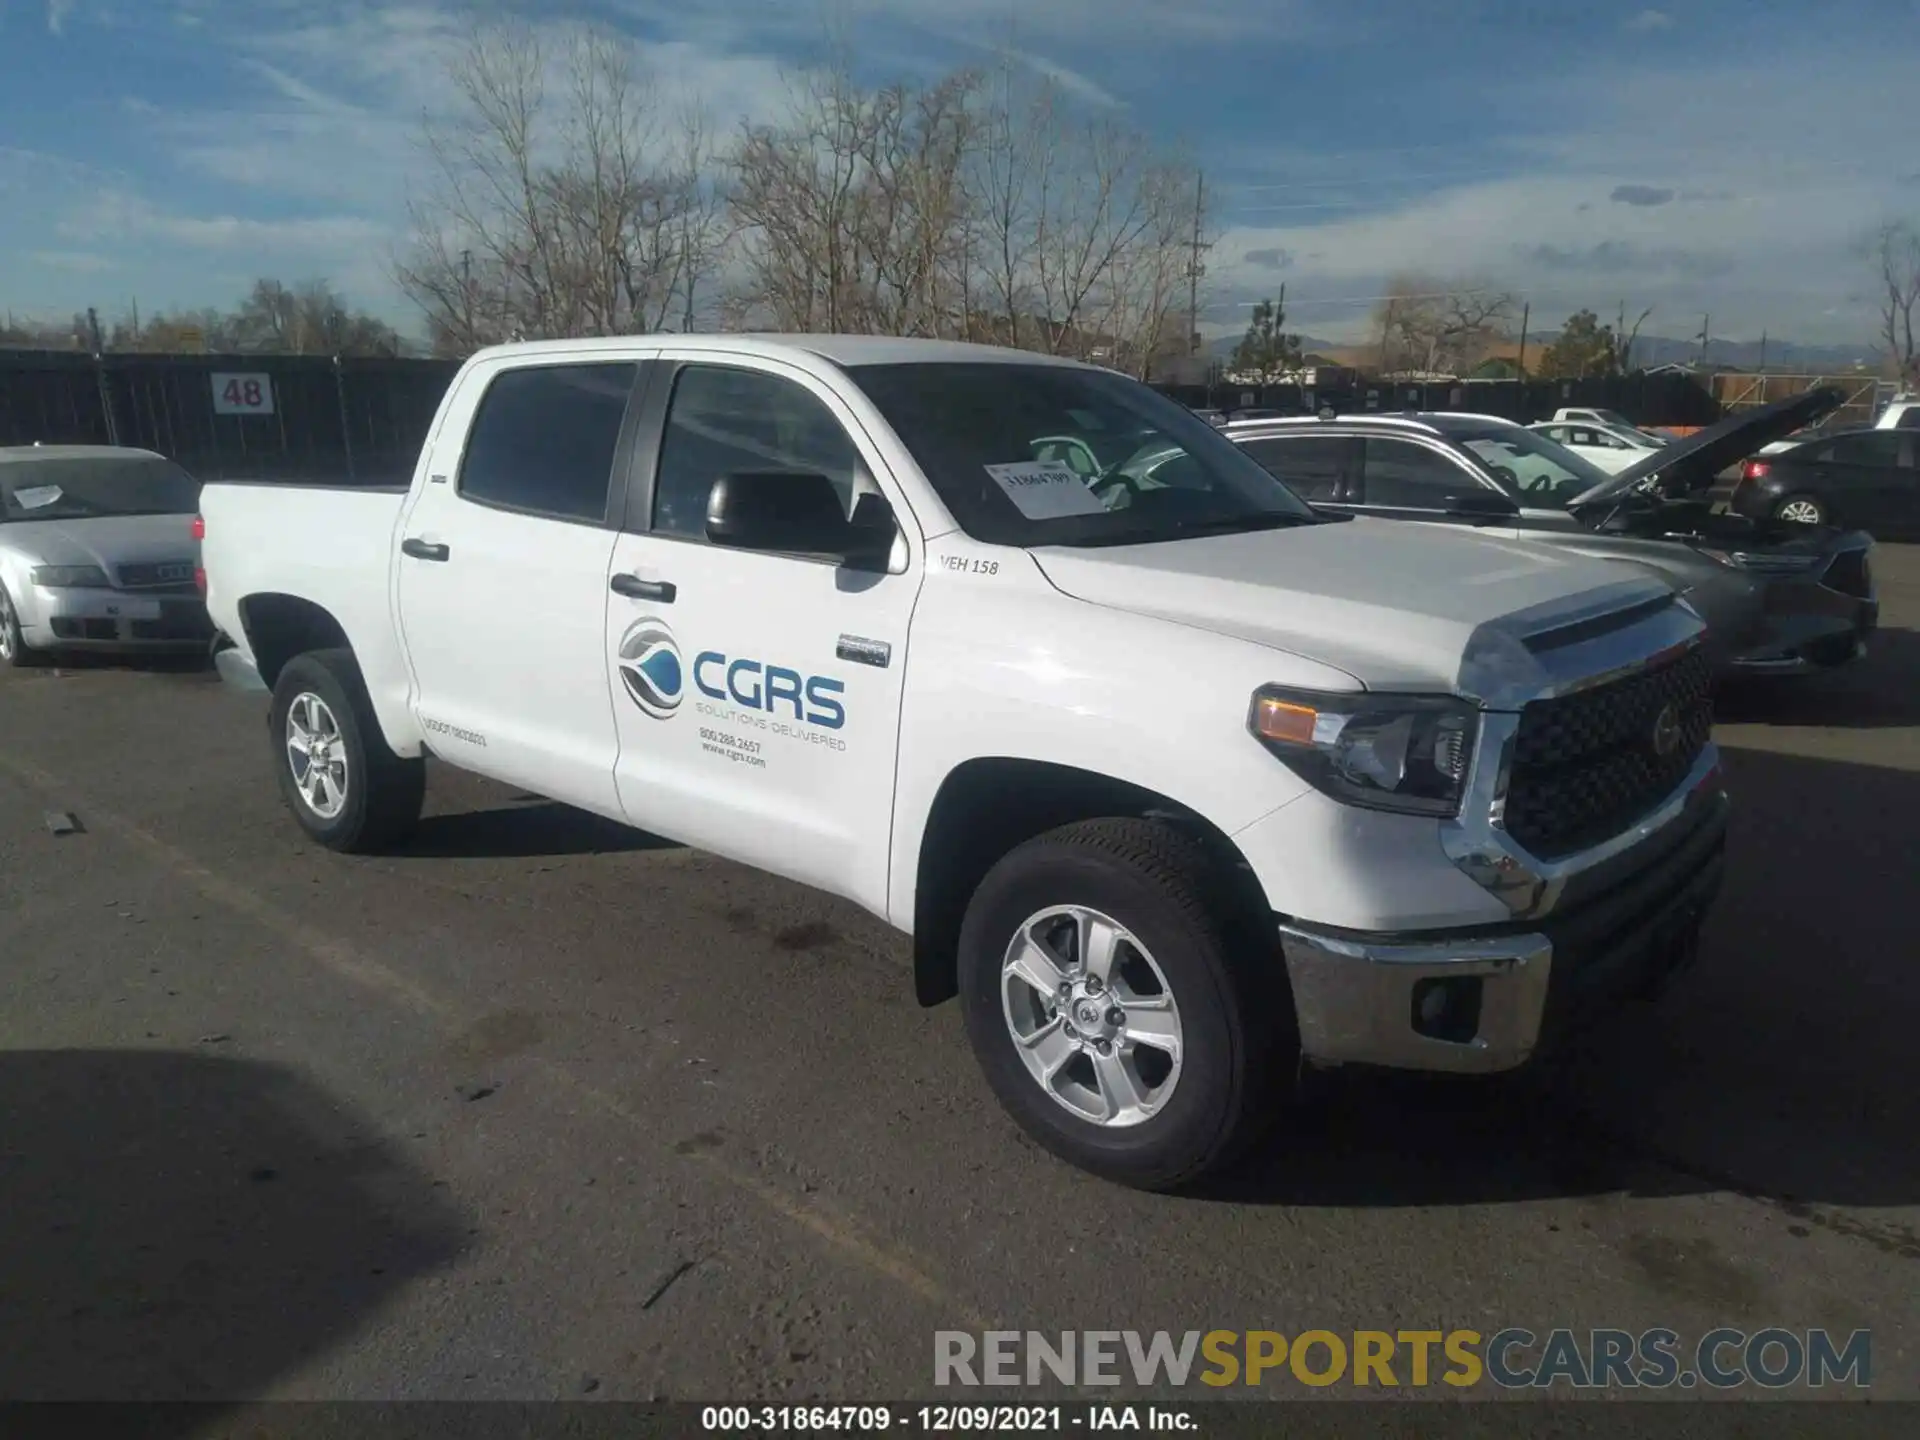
x: 70, y: 577
x: 1406, y: 753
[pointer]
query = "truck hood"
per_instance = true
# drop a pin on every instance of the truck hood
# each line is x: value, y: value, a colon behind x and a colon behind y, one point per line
x: 1396, y: 606
x: 109, y: 541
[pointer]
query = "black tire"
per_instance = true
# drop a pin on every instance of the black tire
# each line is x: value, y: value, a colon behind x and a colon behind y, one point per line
x: 14, y: 649
x: 1821, y: 515
x: 1236, y: 1014
x: 381, y: 792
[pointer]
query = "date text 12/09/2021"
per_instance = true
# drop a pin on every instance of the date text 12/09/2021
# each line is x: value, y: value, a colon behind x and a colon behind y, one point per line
x: 945, y: 1419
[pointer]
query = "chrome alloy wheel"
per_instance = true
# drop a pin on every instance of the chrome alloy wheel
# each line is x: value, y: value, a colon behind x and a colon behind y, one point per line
x: 6, y: 626
x: 317, y: 753
x: 1801, y: 512
x: 1091, y: 1015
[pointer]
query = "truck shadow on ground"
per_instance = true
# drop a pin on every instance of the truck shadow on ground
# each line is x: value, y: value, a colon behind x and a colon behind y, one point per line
x: 1784, y: 1066
x: 1879, y: 692
x: 184, y: 1228
x: 525, y: 832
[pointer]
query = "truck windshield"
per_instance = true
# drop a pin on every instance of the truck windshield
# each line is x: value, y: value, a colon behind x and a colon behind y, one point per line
x: 87, y: 487
x: 1057, y: 455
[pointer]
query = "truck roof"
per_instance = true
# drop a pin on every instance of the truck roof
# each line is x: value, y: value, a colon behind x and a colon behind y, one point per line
x: 11, y: 454
x: 838, y: 349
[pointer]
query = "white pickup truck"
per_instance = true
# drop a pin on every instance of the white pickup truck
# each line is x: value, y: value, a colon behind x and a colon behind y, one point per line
x: 1172, y: 780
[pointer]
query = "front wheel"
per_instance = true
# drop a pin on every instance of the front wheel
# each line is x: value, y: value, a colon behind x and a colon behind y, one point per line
x: 1801, y: 510
x: 14, y: 649
x: 1119, y: 1014
x: 345, y: 787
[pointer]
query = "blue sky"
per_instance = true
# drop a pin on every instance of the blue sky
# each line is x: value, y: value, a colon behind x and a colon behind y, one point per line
x: 1696, y: 155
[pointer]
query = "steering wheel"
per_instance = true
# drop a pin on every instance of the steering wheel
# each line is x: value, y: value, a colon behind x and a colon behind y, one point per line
x: 1108, y: 487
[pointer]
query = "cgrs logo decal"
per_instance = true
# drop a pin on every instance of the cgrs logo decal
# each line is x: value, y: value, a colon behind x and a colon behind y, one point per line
x: 651, y: 667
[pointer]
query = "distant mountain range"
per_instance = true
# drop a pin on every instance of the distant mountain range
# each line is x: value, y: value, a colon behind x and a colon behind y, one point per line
x: 1780, y: 355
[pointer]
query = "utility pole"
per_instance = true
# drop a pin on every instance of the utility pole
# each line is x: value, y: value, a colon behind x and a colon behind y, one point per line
x: 1706, y: 334
x: 1763, y: 352
x: 1193, y: 265
x: 1526, y: 315
x: 466, y: 297
x: 1279, y: 324
x: 100, y: 377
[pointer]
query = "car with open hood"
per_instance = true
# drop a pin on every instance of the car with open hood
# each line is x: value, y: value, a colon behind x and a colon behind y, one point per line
x: 1778, y: 598
x: 96, y: 553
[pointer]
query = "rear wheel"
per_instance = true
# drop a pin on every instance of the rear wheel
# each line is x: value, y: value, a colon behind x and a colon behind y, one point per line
x: 14, y: 650
x: 1120, y: 1014
x: 1801, y: 510
x: 345, y: 787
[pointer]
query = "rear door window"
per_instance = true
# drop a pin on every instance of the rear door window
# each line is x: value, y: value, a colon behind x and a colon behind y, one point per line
x: 1882, y: 447
x: 543, y: 440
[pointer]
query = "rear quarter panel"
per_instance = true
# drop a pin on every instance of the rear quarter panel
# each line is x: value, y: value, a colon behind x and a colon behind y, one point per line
x: 333, y: 548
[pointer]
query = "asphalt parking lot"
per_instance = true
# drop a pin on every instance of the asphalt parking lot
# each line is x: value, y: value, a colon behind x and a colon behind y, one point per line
x: 542, y: 1108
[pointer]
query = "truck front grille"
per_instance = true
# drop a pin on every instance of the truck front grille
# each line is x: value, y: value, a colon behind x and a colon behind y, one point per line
x: 1588, y: 765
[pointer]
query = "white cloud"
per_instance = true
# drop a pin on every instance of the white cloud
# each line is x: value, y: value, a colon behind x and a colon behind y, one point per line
x: 1650, y: 20
x: 79, y: 262
x: 57, y: 13
x: 1765, y: 237
x: 115, y: 215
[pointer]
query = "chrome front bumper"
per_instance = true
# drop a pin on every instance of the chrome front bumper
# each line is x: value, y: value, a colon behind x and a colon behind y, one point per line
x: 1356, y: 999
x: 1587, y: 930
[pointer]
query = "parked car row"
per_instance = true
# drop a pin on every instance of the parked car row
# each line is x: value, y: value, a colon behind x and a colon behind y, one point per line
x: 1181, y: 755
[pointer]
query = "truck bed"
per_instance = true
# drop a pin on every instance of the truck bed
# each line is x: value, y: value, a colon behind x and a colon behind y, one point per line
x: 332, y: 548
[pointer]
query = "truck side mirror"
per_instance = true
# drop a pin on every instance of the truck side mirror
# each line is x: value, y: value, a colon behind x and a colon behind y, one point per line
x: 797, y: 514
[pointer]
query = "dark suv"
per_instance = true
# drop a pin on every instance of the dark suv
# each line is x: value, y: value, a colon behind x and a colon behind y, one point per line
x: 1777, y: 598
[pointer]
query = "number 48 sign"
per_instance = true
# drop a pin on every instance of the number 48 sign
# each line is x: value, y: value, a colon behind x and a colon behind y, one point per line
x: 235, y: 394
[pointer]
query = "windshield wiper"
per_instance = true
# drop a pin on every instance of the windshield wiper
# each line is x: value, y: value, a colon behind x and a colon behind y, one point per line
x: 1277, y: 520
x: 1176, y: 530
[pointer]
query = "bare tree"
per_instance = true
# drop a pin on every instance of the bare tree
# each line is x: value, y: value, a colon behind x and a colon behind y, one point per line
x: 1083, y: 238
x: 1624, y: 339
x: 1435, y: 326
x: 558, y: 203
x: 1017, y: 144
x: 854, y: 212
x: 1896, y: 253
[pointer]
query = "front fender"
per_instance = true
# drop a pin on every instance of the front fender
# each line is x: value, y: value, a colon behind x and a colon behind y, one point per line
x: 1022, y: 672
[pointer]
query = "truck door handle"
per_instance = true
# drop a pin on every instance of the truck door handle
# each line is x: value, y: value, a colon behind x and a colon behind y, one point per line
x: 634, y: 588
x: 424, y: 549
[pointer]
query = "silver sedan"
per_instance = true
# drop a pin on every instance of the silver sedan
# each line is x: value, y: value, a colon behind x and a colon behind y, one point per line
x: 96, y: 553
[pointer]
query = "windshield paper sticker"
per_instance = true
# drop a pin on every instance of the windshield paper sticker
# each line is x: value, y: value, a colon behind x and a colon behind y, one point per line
x: 1046, y: 492
x: 38, y: 497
